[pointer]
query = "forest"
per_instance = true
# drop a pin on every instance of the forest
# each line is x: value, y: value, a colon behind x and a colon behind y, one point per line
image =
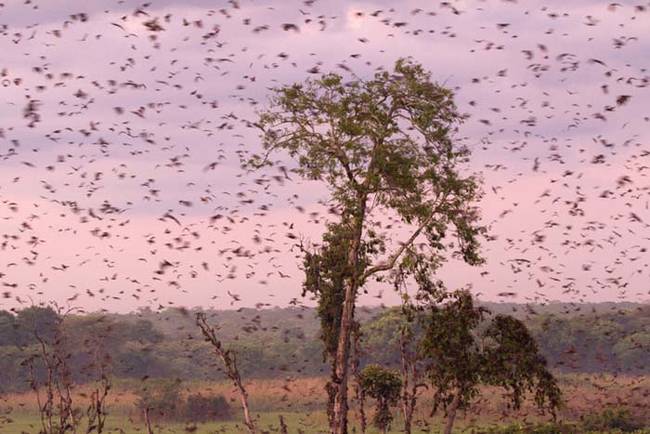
x: 271, y: 343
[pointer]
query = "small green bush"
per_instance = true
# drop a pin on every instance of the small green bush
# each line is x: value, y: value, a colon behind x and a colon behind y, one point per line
x: 199, y: 408
x: 163, y: 402
x: 542, y: 428
x: 612, y: 419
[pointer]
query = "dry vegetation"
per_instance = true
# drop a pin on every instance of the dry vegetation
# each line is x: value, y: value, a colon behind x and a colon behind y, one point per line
x: 583, y: 393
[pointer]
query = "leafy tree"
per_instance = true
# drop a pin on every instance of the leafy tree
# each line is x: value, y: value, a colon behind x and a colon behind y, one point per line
x: 384, y: 386
x: 512, y: 361
x: 633, y: 351
x: 36, y: 321
x: 460, y: 359
x: 384, y: 147
x: 7, y: 328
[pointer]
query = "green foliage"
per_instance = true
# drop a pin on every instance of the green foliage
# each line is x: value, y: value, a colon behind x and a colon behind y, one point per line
x: 163, y: 400
x: 606, y: 340
x: 460, y: 357
x: 33, y: 321
x: 325, y: 274
x: 8, y: 328
x: 384, y: 386
x: 199, y: 408
x: 271, y: 342
x: 542, y: 428
x: 608, y: 421
x: 451, y: 350
x: 382, y: 144
x: 612, y: 420
x: 512, y: 361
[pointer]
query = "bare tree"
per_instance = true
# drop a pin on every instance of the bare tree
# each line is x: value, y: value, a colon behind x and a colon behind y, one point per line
x: 229, y: 360
x: 147, y: 420
x: 96, y: 411
x: 54, y: 395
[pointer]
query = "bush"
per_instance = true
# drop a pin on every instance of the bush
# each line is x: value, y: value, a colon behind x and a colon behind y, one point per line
x: 201, y: 408
x: 617, y: 419
x: 542, y: 428
x: 163, y: 402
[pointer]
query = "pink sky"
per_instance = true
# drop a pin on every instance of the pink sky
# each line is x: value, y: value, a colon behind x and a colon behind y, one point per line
x: 524, y: 71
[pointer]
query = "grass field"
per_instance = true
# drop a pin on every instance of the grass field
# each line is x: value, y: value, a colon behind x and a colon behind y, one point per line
x: 301, y: 401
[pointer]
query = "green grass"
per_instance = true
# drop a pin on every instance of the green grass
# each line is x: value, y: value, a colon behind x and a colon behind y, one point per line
x: 307, y: 423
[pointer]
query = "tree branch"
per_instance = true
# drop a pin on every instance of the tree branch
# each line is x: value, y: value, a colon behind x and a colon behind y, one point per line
x: 390, y: 262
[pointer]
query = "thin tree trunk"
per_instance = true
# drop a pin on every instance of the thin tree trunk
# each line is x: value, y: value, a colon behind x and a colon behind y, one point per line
x: 409, y: 382
x: 362, y: 412
x: 147, y: 420
x: 243, y: 395
x: 340, y: 416
x: 359, y: 394
x: 229, y: 360
x: 451, y: 413
x: 283, y: 426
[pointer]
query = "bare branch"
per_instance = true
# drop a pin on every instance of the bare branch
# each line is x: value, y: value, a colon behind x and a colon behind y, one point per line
x: 230, y: 363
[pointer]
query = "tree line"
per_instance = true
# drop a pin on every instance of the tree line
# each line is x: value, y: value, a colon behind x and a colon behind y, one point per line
x: 271, y: 343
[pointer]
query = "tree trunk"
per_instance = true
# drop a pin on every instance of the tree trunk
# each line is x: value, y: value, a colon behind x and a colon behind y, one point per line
x: 409, y: 382
x: 408, y: 404
x: 406, y: 410
x: 362, y: 413
x: 360, y: 395
x: 147, y: 421
x: 243, y: 395
x: 229, y: 360
x: 283, y: 426
x: 340, y: 416
x: 451, y: 413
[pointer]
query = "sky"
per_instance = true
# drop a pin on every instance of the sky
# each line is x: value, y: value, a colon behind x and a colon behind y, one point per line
x: 122, y: 126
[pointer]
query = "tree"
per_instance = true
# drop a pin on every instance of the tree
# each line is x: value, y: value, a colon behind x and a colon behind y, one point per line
x: 409, y: 369
x: 384, y: 386
x: 229, y: 360
x: 8, y: 333
x: 460, y: 359
x: 384, y: 148
x: 36, y: 321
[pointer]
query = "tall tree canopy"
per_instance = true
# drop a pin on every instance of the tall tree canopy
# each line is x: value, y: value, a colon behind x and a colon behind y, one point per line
x: 385, y: 148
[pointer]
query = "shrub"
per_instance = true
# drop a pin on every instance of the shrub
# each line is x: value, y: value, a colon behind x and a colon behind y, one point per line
x: 542, y: 428
x: 384, y: 386
x: 619, y: 419
x: 163, y: 402
x: 199, y: 408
